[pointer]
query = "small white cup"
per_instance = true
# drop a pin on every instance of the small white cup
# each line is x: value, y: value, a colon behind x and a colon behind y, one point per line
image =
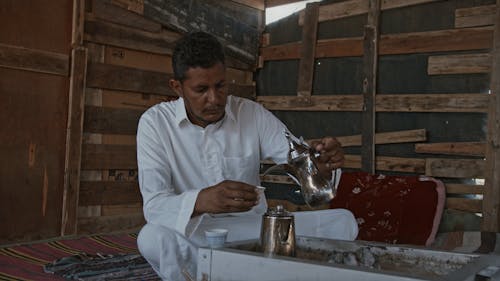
x: 216, y: 237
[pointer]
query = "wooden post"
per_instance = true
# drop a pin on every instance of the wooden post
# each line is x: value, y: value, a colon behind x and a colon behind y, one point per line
x: 308, y: 52
x: 491, y: 199
x: 370, y: 56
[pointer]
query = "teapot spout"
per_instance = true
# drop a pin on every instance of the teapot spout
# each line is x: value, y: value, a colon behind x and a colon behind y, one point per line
x: 284, y: 169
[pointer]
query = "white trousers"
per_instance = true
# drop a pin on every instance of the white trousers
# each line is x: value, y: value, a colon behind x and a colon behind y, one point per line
x: 172, y: 255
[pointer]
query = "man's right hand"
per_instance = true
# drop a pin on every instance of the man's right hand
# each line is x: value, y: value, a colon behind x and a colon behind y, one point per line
x: 226, y: 197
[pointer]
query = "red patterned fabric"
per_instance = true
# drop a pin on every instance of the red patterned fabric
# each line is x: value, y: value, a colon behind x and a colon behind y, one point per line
x: 392, y: 209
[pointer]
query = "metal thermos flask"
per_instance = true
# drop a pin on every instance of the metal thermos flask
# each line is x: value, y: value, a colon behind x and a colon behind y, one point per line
x: 278, y: 232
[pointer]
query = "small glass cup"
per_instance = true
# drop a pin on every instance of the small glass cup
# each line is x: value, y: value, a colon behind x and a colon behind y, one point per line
x: 216, y: 237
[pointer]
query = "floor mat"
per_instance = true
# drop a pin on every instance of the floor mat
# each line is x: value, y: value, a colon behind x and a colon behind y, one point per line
x: 99, y: 257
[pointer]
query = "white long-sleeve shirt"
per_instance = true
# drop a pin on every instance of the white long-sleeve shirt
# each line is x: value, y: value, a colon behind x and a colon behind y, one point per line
x: 177, y: 159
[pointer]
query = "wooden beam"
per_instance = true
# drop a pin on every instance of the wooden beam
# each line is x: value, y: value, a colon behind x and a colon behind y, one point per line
x: 462, y: 39
x: 455, y: 188
x: 475, y: 16
x: 121, y: 36
x: 384, y: 103
x: 464, y: 204
x: 452, y: 148
x: 433, y: 103
x: 74, y: 130
x: 107, y: 156
x: 109, y: 193
x: 459, y: 64
x: 370, y: 62
x: 385, y: 163
x: 386, y: 138
x: 136, y: 6
x: 78, y: 23
x: 455, y: 168
x: 33, y: 60
x: 274, y: 3
x: 491, y: 220
x: 307, y: 51
x: 106, y: 120
x: 256, y: 4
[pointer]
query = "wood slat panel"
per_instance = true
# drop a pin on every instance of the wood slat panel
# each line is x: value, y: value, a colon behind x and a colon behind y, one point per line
x: 109, y: 193
x: 274, y: 3
x: 464, y: 204
x: 106, y: 120
x: 385, y: 138
x: 33, y: 60
x: 121, y: 36
x: 459, y: 64
x: 455, y: 168
x: 452, y: 148
x: 433, y: 103
x: 385, y: 163
x: 74, y: 131
x: 113, y: 210
x: 475, y: 16
x: 358, y: 7
x: 107, y: 224
x: 106, y: 156
x: 392, y: 44
x: 456, y: 188
x: 137, y: 6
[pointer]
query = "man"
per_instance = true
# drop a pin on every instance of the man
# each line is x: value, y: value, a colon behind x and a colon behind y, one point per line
x: 199, y: 158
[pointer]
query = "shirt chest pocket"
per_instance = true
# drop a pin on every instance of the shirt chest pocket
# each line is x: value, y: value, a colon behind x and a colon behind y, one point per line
x: 244, y: 169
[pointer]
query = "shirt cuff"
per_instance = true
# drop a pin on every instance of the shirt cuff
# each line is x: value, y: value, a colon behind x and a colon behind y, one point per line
x: 187, y: 207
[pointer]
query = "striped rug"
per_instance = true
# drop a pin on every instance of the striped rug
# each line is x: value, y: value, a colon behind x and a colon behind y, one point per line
x: 26, y: 262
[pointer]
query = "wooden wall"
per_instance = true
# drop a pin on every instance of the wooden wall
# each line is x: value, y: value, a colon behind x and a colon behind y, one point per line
x: 404, y: 84
x: 129, y: 45
x: 34, y: 82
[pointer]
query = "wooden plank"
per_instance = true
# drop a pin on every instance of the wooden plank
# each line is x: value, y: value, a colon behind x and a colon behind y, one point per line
x: 475, y: 16
x: 33, y: 60
x: 386, y: 138
x: 459, y: 64
x: 131, y: 100
x: 106, y: 120
x: 138, y: 59
x: 274, y: 3
x: 106, y: 11
x: 464, y: 204
x: 317, y: 103
x: 455, y: 168
x: 392, y: 44
x: 307, y: 51
x: 105, y: 156
x: 89, y: 211
x: 384, y: 103
x: 433, y: 103
x: 358, y: 7
x: 455, y: 188
x: 78, y: 22
x: 452, y: 148
x: 106, y: 76
x: 74, y: 132
x: 109, y: 193
x: 370, y: 62
x: 107, y: 224
x: 113, y: 210
x: 385, y: 163
x: 491, y: 221
x: 121, y: 36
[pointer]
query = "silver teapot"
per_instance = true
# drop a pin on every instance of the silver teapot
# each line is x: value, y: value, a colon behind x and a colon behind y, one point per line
x: 277, y: 235
x: 302, y: 168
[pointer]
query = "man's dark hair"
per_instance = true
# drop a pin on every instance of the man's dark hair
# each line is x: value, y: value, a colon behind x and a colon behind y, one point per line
x: 197, y: 49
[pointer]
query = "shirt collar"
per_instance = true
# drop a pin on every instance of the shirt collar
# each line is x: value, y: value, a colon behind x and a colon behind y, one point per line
x: 181, y: 114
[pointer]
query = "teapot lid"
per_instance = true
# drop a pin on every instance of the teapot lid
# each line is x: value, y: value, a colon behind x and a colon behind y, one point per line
x: 278, y: 211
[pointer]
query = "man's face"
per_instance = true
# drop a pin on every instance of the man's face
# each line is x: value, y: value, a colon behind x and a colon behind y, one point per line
x: 204, y: 94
